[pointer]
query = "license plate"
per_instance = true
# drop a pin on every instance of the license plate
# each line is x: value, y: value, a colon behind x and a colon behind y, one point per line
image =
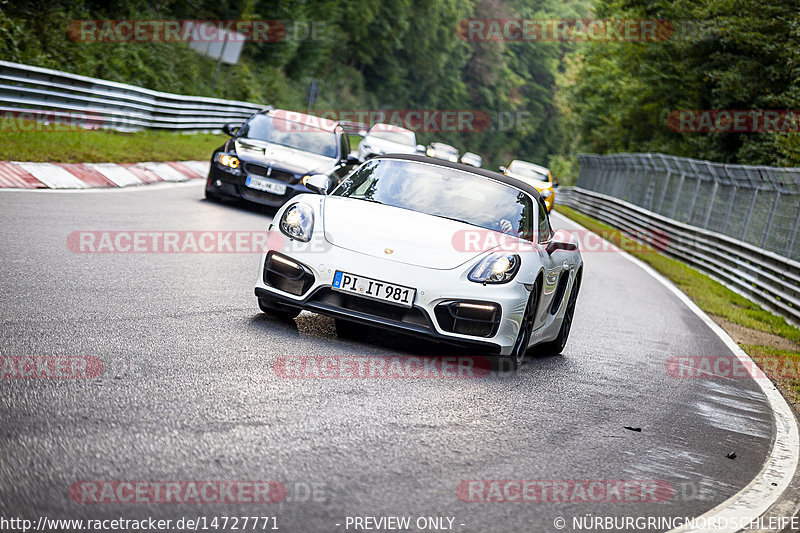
x: 372, y: 288
x: 265, y: 185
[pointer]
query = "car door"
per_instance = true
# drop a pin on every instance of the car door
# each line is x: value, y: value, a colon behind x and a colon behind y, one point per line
x: 552, y: 269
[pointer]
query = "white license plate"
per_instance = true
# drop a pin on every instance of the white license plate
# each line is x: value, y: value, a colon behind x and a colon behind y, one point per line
x: 372, y: 288
x: 265, y: 185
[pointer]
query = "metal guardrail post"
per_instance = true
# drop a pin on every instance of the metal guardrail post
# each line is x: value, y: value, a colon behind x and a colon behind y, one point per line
x: 793, y: 233
x: 715, y: 177
x: 677, y: 196
x: 666, y: 185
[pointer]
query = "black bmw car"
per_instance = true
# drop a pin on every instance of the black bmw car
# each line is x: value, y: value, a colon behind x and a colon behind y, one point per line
x: 269, y: 157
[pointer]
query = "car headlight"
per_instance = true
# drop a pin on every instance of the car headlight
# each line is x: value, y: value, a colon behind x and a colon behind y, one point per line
x: 227, y: 160
x: 297, y: 222
x: 499, y: 267
x: 431, y: 152
x: 547, y: 193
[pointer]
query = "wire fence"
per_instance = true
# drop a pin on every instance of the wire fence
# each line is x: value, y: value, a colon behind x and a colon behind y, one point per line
x: 754, y: 204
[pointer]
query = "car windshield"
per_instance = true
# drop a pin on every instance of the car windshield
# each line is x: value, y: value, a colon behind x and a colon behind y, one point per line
x: 400, y: 137
x: 442, y: 192
x: 292, y: 134
x: 528, y: 171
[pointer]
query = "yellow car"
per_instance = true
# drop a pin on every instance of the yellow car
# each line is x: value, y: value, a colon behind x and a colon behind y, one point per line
x: 538, y: 176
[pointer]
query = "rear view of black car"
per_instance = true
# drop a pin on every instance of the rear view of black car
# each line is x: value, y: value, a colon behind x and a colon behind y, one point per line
x: 268, y: 158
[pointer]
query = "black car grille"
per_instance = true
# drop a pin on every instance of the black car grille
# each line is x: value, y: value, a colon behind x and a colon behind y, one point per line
x: 261, y: 170
x: 412, y: 316
x: 480, y: 319
x: 254, y: 195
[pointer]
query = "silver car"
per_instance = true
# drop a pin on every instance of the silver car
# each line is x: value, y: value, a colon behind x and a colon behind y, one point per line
x: 387, y: 139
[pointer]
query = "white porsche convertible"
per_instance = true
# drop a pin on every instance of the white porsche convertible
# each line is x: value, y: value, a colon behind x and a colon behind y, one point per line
x: 448, y: 251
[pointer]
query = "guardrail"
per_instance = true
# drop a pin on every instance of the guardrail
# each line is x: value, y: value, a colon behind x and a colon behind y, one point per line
x: 57, y: 95
x: 43, y: 94
x: 765, y: 277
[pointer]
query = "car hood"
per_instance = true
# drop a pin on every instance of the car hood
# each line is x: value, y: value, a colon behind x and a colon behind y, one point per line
x: 539, y: 185
x: 413, y: 238
x: 291, y: 159
x: 388, y: 147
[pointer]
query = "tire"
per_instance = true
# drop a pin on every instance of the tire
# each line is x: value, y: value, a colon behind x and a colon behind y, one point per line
x: 346, y: 329
x: 268, y: 307
x: 514, y: 360
x: 556, y: 346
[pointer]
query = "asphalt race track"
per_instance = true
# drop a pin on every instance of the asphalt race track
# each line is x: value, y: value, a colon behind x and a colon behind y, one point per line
x: 189, y: 392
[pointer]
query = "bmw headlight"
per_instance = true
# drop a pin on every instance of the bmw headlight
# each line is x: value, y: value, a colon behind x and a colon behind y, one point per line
x: 297, y: 222
x: 547, y: 193
x: 499, y: 267
x: 227, y: 160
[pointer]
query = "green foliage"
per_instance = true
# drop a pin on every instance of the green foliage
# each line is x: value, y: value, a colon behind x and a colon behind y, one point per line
x: 365, y: 54
x: 724, y: 54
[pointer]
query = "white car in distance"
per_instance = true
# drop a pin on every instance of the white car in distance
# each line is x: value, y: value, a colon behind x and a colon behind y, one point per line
x: 387, y: 139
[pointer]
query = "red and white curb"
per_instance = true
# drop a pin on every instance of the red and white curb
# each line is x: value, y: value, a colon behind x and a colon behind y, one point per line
x: 24, y: 175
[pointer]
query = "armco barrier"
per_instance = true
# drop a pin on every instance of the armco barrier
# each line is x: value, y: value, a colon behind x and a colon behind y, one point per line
x: 765, y: 277
x: 56, y: 95
x: 112, y: 105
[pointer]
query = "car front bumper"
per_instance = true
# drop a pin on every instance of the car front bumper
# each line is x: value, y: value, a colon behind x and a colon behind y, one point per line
x: 226, y: 183
x: 320, y: 260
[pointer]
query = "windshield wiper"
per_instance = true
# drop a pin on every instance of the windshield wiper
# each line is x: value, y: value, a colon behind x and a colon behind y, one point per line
x: 366, y: 199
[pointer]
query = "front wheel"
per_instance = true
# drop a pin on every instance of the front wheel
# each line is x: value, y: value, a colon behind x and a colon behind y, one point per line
x: 514, y: 360
x: 556, y: 346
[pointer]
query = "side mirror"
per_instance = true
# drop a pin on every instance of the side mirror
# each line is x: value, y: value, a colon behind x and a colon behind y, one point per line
x: 362, y: 133
x: 318, y: 183
x: 502, y: 169
x: 556, y: 185
x: 421, y: 148
x: 561, y: 240
x: 230, y: 128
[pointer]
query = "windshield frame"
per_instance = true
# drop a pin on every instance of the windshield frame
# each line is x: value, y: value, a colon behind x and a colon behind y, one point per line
x: 531, y: 236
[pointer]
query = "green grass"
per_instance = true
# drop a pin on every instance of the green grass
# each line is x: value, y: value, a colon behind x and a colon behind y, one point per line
x: 711, y: 296
x: 99, y: 146
x: 782, y: 366
x: 354, y: 141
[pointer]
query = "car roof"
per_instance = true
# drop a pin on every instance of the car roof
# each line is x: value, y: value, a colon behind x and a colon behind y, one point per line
x: 321, y: 123
x: 444, y: 145
x: 531, y: 165
x: 389, y: 127
x: 508, y: 180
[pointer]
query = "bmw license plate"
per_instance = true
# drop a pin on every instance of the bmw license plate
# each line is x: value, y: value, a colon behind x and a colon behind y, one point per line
x: 371, y: 288
x: 265, y: 185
